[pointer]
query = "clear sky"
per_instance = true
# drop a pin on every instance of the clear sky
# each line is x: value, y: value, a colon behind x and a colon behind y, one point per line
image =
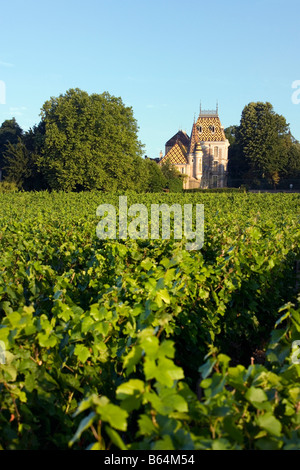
x: 162, y: 57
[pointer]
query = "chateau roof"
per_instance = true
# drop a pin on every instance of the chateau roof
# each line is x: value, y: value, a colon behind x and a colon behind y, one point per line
x: 207, y: 128
x: 194, y: 137
x: 211, y: 129
x: 177, y: 155
x: 179, y: 136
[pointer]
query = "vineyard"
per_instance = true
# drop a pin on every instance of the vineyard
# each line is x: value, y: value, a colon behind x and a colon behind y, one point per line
x: 141, y: 344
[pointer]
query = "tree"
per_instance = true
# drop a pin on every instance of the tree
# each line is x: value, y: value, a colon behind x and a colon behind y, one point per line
x: 238, y: 166
x: 173, y: 177
x: 294, y: 161
x: 21, y: 160
x: 293, y: 167
x: 156, y: 179
x: 10, y: 132
x: 90, y: 143
x: 264, y: 142
x: 16, y: 159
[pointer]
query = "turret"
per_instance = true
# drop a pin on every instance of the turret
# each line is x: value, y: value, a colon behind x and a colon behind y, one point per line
x: 198, y: 161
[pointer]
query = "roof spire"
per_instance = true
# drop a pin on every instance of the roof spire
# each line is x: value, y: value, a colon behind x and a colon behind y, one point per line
x: 217, y: 108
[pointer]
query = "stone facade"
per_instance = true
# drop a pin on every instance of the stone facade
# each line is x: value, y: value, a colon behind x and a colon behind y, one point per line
x: 202, y: 157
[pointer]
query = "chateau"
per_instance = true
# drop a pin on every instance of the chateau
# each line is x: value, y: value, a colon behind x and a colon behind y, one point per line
x: 203, y: 157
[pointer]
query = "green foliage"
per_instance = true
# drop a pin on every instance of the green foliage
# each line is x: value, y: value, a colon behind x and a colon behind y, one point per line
x: 10, y: 132
x: 156, y: 179
x: 264, y: 138
x: 17, y: 163
x: 21, y: 160
x: 83, y: 142
x: 253, y: 408
x: 262, y: 149
x: 8, y: 187
x: 90, y: 143
x: 139, y: 344
x: 294, y: 161
x: 174, y: 179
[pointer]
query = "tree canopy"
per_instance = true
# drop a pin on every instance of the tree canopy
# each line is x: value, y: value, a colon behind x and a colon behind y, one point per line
x: 156, y: 179
x: 91, y: 142
x: 261, y: 147
x: 82, y: 142
x: 10, y: 132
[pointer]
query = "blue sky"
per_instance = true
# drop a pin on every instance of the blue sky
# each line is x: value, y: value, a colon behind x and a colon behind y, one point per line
x: 162, y: 57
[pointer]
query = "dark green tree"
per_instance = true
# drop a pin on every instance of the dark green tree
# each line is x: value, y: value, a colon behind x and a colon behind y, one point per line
x: 293, y: 168
x: 90, y: 143
x: 156, y: 179
x: 21, y: 160
x: 238, y: 166
x: 17, y: 163
x: 264, y: 142
x: 10, y: 132
x: 173, y: 177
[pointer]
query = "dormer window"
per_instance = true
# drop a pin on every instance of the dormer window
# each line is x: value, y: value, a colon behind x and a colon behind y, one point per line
x: 212, y: 129
x: 199, y: 129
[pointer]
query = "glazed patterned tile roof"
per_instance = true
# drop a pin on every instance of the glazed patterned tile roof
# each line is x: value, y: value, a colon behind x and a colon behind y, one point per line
x: 177, y: 155
x: 194, y: 137
x: 207, y: 124
x: 182, y: 136
x: 207, y: 129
